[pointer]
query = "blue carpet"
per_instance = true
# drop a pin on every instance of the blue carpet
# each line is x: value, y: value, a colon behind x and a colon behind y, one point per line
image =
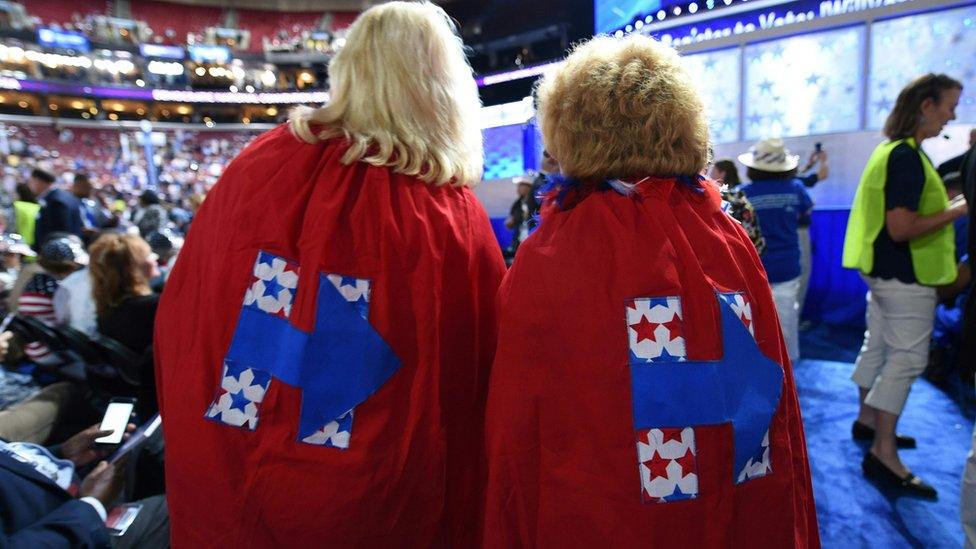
x: 852, y: 511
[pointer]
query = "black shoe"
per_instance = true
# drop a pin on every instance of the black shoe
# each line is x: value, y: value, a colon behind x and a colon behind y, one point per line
x: 861, y: 431
x: 909, y: 484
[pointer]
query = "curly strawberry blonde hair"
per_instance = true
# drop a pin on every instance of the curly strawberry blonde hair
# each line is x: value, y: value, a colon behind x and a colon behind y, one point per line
x: 620, y: 108
x: 116, y: 269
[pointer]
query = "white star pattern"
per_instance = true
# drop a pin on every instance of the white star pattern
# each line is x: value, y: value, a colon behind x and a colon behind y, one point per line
x: 742, y: 307
x: 666, y: 314
x: 757, y: 468
x: 351, y: 292
x: 654, y: 451
x: 281, y: 276
x: 222, y: 408
x: 335, y: 433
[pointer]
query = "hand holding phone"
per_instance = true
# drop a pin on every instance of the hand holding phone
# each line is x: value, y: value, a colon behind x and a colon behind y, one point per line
x: 116, y: 419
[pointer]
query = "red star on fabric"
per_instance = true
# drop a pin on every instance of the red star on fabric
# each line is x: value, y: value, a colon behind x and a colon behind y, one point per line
x: 645, y: 329
x: 687, y: 463
x: 658, y: 465
x: 671, y: 434
x: 674, y: 327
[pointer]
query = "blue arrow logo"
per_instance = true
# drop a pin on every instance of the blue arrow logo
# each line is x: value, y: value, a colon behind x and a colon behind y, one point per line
x: 337, y: 366
x: 742, y: 388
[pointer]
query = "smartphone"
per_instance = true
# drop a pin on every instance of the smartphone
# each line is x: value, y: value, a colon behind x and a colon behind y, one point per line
x: 818, y: 147
x: 116, y: 417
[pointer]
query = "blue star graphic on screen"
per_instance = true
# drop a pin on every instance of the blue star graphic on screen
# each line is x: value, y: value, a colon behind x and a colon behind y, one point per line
x: 813, y: 79
x: 754, y: 119
x: 766, y: 86
x: 743, y: 388
x: 239, y: 401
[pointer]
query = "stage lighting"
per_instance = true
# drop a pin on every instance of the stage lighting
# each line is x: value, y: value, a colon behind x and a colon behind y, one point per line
x: 676, y: 10
x: 639, y: 24
x: 661, y: 15
x: 629, y: 28
x: 619, y: 33
x: 692, y: 8
x: 648, y: 19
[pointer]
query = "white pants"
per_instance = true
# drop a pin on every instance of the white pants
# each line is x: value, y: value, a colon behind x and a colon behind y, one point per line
x: 784, y: 294
x: 896, y: 343
x: 967, y: 504
x: 806, y: 258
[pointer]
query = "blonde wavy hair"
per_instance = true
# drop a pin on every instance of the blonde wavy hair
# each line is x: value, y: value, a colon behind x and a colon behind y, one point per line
x: 403, y: 95
x: 623, y: 108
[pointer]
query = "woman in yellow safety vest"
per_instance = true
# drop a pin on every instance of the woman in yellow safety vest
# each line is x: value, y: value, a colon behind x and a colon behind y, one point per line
x: 900, y: 237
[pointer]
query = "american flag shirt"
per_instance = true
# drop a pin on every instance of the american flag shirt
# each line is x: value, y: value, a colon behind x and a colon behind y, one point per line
x: 38, y: 301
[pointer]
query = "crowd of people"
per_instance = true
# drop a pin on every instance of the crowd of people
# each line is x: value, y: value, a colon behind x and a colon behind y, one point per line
x: 340, y: 336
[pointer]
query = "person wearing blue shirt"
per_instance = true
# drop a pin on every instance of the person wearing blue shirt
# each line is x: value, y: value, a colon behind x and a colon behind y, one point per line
x: 780, y: 201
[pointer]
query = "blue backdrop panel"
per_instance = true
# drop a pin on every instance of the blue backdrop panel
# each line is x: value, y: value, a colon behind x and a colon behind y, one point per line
x: 835, y: 295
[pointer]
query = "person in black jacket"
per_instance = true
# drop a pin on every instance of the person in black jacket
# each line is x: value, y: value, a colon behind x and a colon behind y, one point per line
x: 60, y: 210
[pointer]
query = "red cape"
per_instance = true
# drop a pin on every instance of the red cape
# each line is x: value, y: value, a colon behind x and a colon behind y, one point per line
x: 567, y: 466
x: 411, y: 473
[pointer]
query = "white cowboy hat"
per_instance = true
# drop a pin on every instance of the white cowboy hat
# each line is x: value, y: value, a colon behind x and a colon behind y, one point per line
x: 770, y: 155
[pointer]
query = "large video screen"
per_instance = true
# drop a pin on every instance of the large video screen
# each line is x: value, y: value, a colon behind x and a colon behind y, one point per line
x: 805, y: 84
x: 717, y: 76
x: 610, y: 15
x: 905, y: 48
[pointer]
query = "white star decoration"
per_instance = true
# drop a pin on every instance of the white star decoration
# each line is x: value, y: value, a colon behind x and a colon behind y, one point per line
x: 230, y: 385
x: 273, y: 270
x: 659, y: 311
x: 658, y: 488
x: 331, y: 435
x: 757, y: 468
x: 350, y: 292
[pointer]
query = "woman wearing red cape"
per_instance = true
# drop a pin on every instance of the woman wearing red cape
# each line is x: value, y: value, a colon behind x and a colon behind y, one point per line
x: 641, y: 394
x: 323, y: 343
